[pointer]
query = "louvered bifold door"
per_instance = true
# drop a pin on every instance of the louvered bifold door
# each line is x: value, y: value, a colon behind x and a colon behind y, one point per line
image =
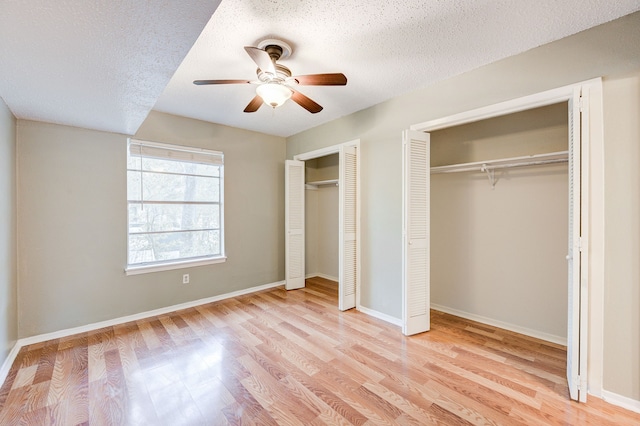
x: 348, y: 264
x: 294, y: 224
x: 415, y: 255
x: 574, y: 255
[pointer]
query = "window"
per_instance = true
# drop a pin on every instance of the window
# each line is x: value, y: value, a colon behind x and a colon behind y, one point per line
x: 175, y: 206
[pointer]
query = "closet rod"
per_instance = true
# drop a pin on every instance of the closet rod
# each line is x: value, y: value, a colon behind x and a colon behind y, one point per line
x: 523, y: 164
x: 482, y: 166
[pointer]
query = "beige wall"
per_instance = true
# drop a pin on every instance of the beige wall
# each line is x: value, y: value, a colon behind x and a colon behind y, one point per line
x: 622, y: 235
x: 536, y: 131
x: 8, y: 262
x: 610, y: 49
x: 328, y: 230
x: 72, y: 228
x: 500, y: 253
x: 311, y: 232
x: 322, y: 168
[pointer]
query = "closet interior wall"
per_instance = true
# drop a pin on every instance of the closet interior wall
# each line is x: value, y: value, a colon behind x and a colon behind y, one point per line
x: 499, y: 254
x: 321, y: 210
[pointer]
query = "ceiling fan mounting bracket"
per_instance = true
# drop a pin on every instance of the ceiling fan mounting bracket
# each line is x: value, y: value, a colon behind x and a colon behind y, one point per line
x: 277, y: 49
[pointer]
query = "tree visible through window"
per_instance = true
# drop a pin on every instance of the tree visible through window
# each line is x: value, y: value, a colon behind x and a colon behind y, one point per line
x: 175, y: 200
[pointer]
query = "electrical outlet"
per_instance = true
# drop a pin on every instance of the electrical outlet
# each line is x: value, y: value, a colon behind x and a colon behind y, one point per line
x: 185, y: 279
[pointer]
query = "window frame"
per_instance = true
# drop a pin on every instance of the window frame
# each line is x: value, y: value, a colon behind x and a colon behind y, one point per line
x: 183, y: 152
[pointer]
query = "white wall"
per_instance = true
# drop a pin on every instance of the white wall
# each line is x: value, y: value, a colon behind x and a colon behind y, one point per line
x: 500, y: 253
x: 622, y: 235
x: 609, y: 49
x: 8, y: 262
x: 72, y: 228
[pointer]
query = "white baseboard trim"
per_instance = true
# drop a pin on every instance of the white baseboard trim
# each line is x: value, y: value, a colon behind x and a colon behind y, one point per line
x: 321, y: 275
x: 142, y: 315
x: 621, y: 401
x: 380, y: 315
x: 507, y: 326
x: 8, y: 362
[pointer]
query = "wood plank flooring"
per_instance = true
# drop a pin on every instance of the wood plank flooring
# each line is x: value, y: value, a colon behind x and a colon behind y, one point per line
x: 291, y: 358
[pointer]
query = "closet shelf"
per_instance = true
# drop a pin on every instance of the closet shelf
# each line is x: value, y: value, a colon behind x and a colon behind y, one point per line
x: 318, y: 183
x: 502, y: 163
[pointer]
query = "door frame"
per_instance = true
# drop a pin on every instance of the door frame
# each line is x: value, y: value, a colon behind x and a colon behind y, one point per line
x: 335, y: 149
x: 591, y: 208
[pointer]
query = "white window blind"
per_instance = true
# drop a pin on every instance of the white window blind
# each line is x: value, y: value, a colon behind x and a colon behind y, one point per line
x: 175, y: 204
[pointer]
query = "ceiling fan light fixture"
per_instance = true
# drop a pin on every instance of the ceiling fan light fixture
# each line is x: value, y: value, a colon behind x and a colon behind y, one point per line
x: 274, y: 94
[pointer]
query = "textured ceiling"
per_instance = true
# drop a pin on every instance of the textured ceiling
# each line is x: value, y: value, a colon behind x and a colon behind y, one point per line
x: 103, y: 64
x: 384, y: 47
x: 95, y: 64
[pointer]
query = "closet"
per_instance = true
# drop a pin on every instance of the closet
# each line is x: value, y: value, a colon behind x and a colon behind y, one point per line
x: 321, y: 217
x: 320, y: 171
x: 499, y: 208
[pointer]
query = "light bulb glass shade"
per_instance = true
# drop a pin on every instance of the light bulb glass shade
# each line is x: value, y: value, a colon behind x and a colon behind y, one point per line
x: 273, y: 94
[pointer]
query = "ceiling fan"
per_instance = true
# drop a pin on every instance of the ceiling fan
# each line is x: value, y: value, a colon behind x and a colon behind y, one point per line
x: 275, y: 83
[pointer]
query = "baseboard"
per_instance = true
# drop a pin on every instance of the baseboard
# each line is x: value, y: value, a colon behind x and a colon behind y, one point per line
x: 507, y: 326
x: 380, y: 315
x: 142, y: 315
x: 621, y: 401
x: 8, y: 362
x: 321, y: 275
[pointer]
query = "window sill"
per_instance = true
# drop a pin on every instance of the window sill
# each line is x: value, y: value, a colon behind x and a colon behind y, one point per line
x: 136, y: 270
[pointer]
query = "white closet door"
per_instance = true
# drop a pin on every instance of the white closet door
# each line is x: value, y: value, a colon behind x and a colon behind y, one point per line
x: 583, y: 143
x: 294, y: 224
x: 348, y: 265
x: 415, y: 253
x: 574, y: 361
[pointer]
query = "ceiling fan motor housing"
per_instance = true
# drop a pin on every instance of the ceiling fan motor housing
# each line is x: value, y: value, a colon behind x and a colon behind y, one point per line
x: 282, y: 74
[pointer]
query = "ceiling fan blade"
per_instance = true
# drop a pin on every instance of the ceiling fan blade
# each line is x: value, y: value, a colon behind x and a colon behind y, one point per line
x: 261, y: 58
x: 203, y: 82
x: 336, y: 79
x: 254, y: 104
x: 305, y: 102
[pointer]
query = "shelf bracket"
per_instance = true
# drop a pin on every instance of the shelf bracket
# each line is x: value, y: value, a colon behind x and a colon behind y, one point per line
x: 491, y: 175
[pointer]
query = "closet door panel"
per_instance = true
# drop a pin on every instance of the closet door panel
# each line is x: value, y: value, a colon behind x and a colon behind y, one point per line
x: 576, y: 359
x: 294, y: 225
x: 348, y: 265
x: 416, y: 254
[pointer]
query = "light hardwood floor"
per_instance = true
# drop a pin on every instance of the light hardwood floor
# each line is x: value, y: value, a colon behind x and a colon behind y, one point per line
x: 288, y: 358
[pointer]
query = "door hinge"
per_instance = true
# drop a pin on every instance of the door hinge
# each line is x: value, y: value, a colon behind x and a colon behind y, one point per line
x: 580, y: 385
x: 580, y: 246
x: 580, y: 103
